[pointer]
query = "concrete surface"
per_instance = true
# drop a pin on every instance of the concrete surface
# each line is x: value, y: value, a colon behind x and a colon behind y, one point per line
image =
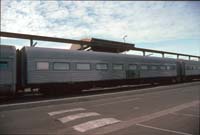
x: 167, y: 110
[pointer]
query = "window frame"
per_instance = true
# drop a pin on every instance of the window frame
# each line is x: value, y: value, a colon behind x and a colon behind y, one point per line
x: 90, y: 67
x: 188, y: 67
x: 7, y: 65
x: 147, y: 68
x: 117, y: 69
x: 42, y: 62
x: 194, y: 67
x: 172, y: 67
x: 154, y: 69
x: 165, y: 67
x: 102, y: 69
x: 136, y: 66
x: 67, y: 63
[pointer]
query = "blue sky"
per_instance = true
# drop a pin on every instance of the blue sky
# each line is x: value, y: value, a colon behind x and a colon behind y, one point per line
x: 162, y: 25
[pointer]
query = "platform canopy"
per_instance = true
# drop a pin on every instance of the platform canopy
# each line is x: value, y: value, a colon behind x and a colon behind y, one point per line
x: 101, y: 45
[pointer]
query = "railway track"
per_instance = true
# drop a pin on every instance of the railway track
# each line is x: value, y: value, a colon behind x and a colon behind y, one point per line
x: 29, y: 97
x: 36, y: 96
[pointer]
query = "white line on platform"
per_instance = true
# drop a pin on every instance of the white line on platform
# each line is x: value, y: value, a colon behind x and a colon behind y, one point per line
x: 77, y: 116
x: 64, y: 111
x: 131, y: 122
x: 186, y: 114
x: 115, y: 102
x: 95, y: 124
x: 162, y: 129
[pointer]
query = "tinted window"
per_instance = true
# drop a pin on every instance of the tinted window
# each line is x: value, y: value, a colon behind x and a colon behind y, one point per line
x: 61, y: 66
x: 101, y: 66
x: 132, y: 67
x: 189, y: 67
x: 82, y: 66
x: 117, y: 67
x: 143, y: 67
x: 162, y: 68
x: 42, y: 66
x: 192, y: 67
x: 154, y: 67
x: 170, y: 67
x: 3, y: 65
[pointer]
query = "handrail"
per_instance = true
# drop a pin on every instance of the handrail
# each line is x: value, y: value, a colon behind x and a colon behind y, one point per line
x: 81, y: 42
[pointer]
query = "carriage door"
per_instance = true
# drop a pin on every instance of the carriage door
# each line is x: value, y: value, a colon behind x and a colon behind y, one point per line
x: 132, y: 72
x: 180, y: 71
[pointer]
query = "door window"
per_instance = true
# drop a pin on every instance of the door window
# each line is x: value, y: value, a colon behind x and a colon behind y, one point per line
x: 3, y: 65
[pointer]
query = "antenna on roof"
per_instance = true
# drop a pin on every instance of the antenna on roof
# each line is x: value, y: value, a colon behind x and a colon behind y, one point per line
x: 124, y: 37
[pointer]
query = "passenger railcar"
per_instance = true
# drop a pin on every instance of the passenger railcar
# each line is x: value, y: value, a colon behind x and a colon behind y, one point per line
x: 58, y: 69
x: 191, y: 69
x: 7, y: 70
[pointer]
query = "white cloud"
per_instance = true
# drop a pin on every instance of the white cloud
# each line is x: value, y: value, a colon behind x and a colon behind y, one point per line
x: 142, y: 21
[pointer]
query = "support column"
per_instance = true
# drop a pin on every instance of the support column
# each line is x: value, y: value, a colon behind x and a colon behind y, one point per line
x: 163, y: 55
x: 177, y: 56
x: 31, y: 42
x: 143, y: 53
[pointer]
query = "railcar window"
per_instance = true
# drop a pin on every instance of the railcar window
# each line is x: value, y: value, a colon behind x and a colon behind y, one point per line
x: 61, y: 66
x: 162, y: 67
x: 143, y: 67
x: 189, y: 67
x: 192, y: 67
x: 132, y: 67
x: 167, y: 67
x: 154, y: 67
x: 83, y: 66
x: 117, y: 67
x: 101, y: 66
x: 170, y: 67
x: 42, y: 66
x: 3, y: 65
